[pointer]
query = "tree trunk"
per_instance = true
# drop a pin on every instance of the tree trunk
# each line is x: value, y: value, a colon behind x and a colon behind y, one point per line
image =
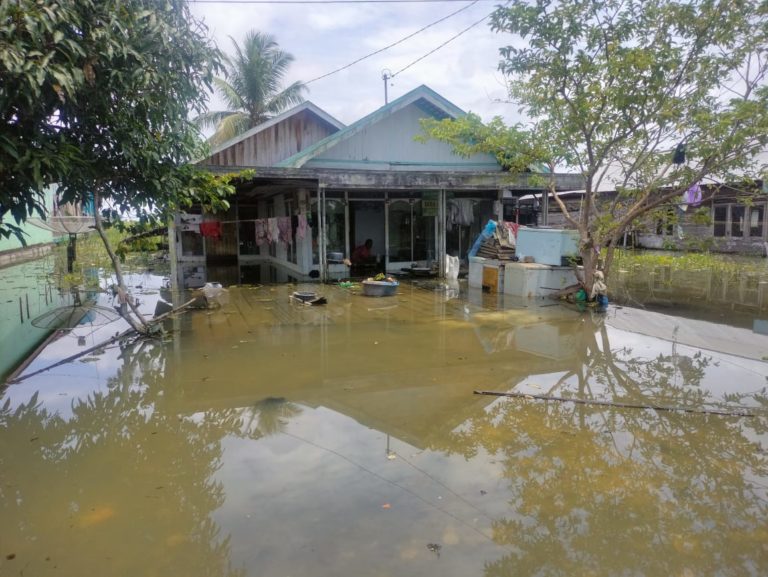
x: 137, y: 323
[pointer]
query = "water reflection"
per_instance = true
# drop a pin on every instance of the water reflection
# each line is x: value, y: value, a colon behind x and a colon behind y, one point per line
x: 717, y: 290
x: 269, y: 439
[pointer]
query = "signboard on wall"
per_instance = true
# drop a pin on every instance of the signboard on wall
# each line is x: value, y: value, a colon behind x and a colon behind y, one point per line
x: 429, y: 203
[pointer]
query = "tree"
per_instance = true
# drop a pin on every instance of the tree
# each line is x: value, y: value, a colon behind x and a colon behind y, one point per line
x: 252, y: 88
x: 613, y: 87
x: 94, y: 98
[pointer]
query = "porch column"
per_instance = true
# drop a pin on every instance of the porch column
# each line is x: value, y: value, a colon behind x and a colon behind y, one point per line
x: 545, y: 208
x: 322, y: 256
x: 442, y: 211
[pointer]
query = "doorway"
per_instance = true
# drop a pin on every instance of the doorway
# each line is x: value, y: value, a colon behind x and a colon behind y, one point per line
x: 366, y: 221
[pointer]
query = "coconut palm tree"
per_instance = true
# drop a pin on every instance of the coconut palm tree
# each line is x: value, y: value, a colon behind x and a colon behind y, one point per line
x: 251, y: 89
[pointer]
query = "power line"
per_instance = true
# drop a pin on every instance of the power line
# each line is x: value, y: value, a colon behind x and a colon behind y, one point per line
x: 451, y: 39
x: 420, y: 30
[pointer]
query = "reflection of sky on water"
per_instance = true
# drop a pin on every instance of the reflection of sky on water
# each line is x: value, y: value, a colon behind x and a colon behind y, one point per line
x: 256, y: 438
x: 344, y: 507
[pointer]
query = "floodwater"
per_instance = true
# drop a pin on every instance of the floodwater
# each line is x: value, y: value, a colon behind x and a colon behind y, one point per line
x: 266, y: 438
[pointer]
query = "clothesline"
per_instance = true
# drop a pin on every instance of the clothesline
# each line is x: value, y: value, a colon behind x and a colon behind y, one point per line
x: 266, y: 230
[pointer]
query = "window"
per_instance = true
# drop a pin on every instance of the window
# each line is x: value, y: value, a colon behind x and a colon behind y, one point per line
x: 666, y: 224
x: 400, y: 231
x: 756, y: 218
x: 737, y: 219
x: 424, y: 233
x: 720, y: 218
x: 335, y: 228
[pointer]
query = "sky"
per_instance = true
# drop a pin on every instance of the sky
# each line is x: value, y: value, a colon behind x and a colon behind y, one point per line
x: 324, y: 37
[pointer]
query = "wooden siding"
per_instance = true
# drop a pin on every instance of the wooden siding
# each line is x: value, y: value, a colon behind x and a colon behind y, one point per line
x: 389, y: 145
x: 275, y: 143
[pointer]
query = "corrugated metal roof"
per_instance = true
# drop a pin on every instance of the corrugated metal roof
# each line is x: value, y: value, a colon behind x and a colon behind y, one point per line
x: 424, y: 97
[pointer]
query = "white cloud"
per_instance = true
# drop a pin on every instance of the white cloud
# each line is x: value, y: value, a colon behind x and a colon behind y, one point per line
x: 324, y: 38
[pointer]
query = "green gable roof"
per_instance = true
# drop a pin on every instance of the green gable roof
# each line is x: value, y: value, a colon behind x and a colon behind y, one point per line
x: 423, y: 97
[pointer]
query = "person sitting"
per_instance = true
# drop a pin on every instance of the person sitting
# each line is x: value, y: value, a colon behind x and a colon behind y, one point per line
x: 362, y: 253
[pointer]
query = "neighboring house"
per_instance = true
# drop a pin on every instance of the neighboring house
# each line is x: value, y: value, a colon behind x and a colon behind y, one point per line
x: 371, y: 180
x: 732, y: 221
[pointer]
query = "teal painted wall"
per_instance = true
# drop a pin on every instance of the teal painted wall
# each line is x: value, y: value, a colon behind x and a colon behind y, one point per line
x: 34, y: 235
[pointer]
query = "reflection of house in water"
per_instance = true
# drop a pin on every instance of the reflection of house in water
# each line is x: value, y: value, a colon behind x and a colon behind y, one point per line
x: 27, y: 287
x: 705, y: 292
x: 320, y: 189
x: 406, y: 366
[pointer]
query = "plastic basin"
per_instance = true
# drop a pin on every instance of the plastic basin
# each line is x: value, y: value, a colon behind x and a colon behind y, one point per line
x: 379, y: 288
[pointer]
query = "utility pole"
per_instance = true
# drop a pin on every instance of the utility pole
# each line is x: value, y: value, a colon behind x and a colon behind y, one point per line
x: 386, y: 74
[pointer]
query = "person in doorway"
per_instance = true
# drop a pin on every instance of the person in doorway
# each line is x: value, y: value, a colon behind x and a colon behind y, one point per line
x: 362, y: 253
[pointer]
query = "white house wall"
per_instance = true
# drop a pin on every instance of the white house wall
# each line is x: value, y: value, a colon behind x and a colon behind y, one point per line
x: 390, y: 145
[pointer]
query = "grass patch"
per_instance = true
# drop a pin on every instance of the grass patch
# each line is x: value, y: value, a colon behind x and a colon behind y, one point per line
x: 688, y: 261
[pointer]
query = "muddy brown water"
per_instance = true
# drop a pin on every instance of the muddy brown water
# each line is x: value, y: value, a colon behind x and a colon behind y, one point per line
x: 267, y: 438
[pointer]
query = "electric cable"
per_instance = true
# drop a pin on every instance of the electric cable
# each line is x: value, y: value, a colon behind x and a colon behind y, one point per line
x: 394, y: 43
x: 451, y: 39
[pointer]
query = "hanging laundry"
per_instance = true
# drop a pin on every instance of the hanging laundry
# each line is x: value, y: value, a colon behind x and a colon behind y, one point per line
x: 679, y: 156
x: 273, y: 231
x: 284, y: 227
x: 464, y: 212
x: 301, y: 229
x: 693, y: 195
x: 261, y: 232
x: 211, y: 229
x: 451, y: 216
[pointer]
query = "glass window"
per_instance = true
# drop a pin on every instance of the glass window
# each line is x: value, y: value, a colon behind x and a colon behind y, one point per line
x: 720, y: 218
x: 335, y: 229
x: 423, y: 233
x: 756, y: 217
x: 400, y: 231
x: 737, y: 220
x: 191, y: 243
x: 665, y: 225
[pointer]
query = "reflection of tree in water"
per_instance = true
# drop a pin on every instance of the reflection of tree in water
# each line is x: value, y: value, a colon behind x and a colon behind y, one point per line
x: 122, y: 475
x: 600, y: 491
x: 270, y: 415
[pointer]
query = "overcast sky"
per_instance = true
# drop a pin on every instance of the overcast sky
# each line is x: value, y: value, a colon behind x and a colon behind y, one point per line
x: 324, y: 37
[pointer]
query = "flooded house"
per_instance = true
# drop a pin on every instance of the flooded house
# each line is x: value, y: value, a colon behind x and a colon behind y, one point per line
x: 321, y: 189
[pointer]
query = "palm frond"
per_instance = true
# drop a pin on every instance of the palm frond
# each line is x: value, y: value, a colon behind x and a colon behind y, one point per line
x: 229, y: 128
x: 291, y: 96
x: 231, y: 96
x: 254, y: 79
x: 211, y: 119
